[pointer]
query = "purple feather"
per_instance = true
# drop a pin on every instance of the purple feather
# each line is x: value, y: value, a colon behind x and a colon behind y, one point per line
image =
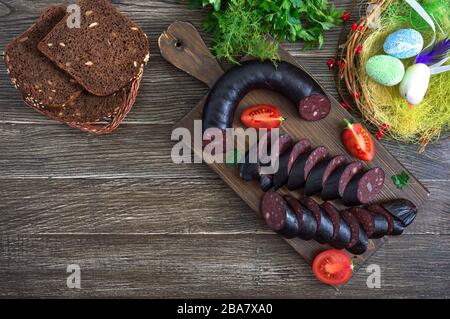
x: 437, y: 53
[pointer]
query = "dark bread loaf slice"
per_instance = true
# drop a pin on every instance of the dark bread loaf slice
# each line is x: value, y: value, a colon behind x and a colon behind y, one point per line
x: 31, y: 72
x: 86, y: 108
x: 105, y: 54
x: 90, y: 108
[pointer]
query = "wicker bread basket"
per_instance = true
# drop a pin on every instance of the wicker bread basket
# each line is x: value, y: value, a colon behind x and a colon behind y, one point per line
x: 98, y: 128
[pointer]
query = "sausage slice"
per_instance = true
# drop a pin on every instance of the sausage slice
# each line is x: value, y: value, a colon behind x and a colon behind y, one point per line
x: 314, y: 107
x: 307, y: 222
x: 359, y: 240
x: 364, y: 187
x: 336, y: 183
x: 315, y: 180
x: 303, y: 166
x: 325, y: 229
x: 278, y: 215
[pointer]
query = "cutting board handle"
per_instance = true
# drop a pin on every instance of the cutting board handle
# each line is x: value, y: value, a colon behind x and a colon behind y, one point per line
x: 182, y: 45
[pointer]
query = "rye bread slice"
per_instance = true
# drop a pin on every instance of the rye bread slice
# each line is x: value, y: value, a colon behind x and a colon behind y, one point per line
x: 86, y: 108
x: 32, y: 73
x: 105, y: 54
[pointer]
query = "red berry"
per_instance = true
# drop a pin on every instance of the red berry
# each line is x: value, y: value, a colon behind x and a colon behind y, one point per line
x: 354, y: 26
x: 341, y: 65
x: 380, y: 134
x: 361, y: 27
x: 345, y: 104
x: 359, y: 49
x: 345, y: 16
x: 331, y: 63
x: 355, y: 95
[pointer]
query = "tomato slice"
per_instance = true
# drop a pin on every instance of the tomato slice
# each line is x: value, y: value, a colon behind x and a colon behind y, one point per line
x: 333, y: 267
x: 262, y: 116
x: 358, y: 141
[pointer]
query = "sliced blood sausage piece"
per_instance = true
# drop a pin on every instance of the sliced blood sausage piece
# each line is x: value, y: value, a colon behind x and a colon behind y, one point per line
x: 334, y: 216
x: 273, y: 210
x: 339, y: 179
x: 379, y: 210
x: 314, y: 182
x: 249, y: 170
x: 325, y: 229
x: 376, y: 226
x: 278, y: 215
x: 296, y: 178
x: 348, y: 175
x: 402, y: 209
x: 336, y: 162
x: 303, y: 166
x: 306, y: 219
x: 381, y: 226
x: 342, y: 233
x: 395, y: 227
x: 276, y: 148
x: 319, y: 154
x: 280, y: 178
x: 284, y: 143
x: 398, y: 227
x: 365, y: 219
x: 364, y: 187
x: 314, y: 107
x: 359, y: 240
x: 299, y: 148
x: 352, y: 222
x: 265, y: 182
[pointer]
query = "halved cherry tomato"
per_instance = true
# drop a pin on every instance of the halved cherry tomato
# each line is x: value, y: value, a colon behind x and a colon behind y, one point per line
x: 262, y: 116
x: 358, y: 141
x: 333, y: 267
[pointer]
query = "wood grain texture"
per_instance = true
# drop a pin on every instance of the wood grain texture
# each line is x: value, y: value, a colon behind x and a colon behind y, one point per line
x: 205, y: 266
x: 141, y: 226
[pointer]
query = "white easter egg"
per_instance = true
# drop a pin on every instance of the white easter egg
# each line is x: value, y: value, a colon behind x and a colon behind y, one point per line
x: 415, y: 83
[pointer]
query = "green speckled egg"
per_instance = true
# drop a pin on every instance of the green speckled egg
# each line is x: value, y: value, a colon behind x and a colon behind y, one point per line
x: 385, y: 69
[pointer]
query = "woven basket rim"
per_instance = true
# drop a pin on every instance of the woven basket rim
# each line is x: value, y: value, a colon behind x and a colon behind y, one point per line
x: 99, y: 128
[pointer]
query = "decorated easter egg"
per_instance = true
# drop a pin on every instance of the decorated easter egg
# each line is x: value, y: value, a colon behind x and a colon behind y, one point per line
x: 404, y: 43
x: 385, y: 69
x: 415, y: 83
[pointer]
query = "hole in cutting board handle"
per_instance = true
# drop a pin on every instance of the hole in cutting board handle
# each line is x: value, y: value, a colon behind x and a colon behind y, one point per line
x: 178, y: 44
x: 182, y: 45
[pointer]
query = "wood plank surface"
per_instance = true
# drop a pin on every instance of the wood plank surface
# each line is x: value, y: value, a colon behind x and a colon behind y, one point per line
x: 205, y: 266
x: 141, y: 226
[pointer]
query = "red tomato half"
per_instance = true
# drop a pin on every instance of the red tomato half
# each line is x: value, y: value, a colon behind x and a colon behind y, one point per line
x: 262, y: 116
x: 358, y: 141
x: 333, y: 267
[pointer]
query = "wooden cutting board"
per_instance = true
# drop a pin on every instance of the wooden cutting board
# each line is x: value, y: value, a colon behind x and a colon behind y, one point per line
x: 182, y: 46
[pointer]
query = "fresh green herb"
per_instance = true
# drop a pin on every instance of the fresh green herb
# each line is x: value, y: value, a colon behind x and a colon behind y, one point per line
x: 400, y: 180
x: 233, y: 158
x: 240, y: 27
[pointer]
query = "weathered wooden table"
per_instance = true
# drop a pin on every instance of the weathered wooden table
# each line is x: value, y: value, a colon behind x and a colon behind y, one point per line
x: 139, y: 225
